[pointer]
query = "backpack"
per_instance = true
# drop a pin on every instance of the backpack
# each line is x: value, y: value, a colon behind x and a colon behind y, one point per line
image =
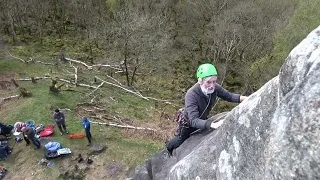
x: 52, y: 146
x: 64, y: 151
x: 47, y: 131
x: 39, y: 128
x: 179, y: 119
x: 30, y: 123
x: 179, y: 116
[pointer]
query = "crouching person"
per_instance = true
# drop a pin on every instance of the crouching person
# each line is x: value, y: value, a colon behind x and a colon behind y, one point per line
x: 29, y: 135
x: 18, y: 126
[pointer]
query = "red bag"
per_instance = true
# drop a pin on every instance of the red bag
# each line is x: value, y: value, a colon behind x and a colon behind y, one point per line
x: 47, y: 131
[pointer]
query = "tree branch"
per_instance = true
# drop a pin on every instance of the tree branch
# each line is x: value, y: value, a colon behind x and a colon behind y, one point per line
x: 114, y: 79
x: 10, y: 97
x: 96, y: 89
x: 16, y: 57
x: 96, y: 65
x: 135, y: 93
x: 79, y: 84
x: 75, y: 74
x: 35, y: 78
x: 123, y: 126
x: 30, y: 60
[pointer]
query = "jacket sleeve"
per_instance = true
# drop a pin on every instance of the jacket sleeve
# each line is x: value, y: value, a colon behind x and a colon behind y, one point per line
x: 226, y: 95
x: 62, y: 116
x: 192, y: 110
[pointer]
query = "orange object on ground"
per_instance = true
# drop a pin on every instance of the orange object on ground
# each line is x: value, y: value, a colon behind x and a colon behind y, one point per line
x: 76, y: 136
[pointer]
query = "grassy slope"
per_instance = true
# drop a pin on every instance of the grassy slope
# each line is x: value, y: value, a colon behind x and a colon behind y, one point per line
x: 121, y: 149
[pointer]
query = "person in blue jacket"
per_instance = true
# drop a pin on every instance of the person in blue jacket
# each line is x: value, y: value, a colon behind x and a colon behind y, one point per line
x: 86, y: 126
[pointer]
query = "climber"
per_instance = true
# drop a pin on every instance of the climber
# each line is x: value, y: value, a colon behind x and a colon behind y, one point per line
x: 199, y: 101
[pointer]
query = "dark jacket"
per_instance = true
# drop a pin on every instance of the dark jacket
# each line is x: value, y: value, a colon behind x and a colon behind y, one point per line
x: 196, y: 103
x: 29, y: 132
x: 59, y: 118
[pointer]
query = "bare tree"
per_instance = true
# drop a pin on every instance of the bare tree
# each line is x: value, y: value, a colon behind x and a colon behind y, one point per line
x: 137, y: 38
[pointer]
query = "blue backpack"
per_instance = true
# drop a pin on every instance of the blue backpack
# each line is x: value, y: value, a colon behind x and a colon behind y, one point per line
x: 30, y: 123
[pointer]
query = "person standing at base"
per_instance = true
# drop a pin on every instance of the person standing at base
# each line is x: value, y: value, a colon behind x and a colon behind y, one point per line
x: 60, y: 121
x: 199, y: 100
x: 86, y: 126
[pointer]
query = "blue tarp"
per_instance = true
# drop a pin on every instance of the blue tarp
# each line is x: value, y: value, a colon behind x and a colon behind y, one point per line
x: 52, y: 146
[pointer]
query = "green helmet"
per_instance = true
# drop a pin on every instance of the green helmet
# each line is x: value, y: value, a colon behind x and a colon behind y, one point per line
x: 205, y: 70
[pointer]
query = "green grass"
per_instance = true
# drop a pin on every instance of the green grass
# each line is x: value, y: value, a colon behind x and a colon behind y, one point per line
x: 21, y: 70
x: 10, y: 66
x: 131, y: 106
x: 40, y: 106
x: 122, y: 149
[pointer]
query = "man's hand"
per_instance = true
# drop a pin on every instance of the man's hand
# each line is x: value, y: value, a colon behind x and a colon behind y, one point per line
x: 242, y: 98
x: 215, y: 125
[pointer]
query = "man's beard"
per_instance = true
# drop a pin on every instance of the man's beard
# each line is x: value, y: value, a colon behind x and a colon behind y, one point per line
x: 206, y: 91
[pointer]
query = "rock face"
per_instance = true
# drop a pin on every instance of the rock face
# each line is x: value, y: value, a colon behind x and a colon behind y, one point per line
x: 274, y: 134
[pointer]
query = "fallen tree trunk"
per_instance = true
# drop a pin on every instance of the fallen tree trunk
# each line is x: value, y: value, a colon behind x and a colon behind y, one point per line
x: 119, y: 85
x: 116, y: 67
x: 135, y: 93
x: 10, y: 97
x: 35, y: 78
x: 96, y: 89
x: 31, y: 60
x: 123, y: 126
x: 16, y: 57
x: 78, y: 84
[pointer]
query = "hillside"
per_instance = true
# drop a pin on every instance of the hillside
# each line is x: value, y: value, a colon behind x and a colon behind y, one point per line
x: 124, y: 147
x: 130, y: 62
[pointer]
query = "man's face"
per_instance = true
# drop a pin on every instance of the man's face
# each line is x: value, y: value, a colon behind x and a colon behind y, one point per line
x: 209, y: 83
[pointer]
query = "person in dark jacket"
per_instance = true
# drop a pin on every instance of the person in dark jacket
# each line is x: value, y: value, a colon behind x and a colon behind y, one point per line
x: 86, y: 126
x: 60, y: 121
x: 28, y: 135
x: 199, y: 101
